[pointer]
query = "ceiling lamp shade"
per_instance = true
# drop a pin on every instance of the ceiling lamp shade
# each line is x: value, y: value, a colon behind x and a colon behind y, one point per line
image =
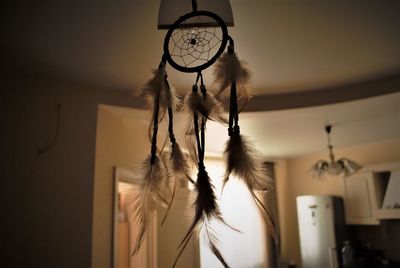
x: 343, y: 166
x: 171, y: 10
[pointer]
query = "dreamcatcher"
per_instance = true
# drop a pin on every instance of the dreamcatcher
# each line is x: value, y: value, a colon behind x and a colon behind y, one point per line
x: 193, y: 43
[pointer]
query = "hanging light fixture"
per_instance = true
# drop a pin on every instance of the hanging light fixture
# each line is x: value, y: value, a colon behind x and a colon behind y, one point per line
x: 196, y: 39
x: 343, y: 166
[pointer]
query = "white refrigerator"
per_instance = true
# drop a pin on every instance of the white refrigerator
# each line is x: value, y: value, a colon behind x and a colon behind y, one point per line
x: 321, y: 230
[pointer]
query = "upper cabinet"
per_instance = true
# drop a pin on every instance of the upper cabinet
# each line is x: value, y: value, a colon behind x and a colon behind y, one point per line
x: 366, y: 191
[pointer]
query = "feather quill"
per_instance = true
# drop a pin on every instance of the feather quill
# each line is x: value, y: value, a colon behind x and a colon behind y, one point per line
x: 241, y: 161
x: 227, y: 69
x: 151, y: 190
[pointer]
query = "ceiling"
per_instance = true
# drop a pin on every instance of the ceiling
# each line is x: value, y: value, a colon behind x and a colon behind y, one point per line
x: 290, y: 46
x: 300, y: 53
x: 296, y: 132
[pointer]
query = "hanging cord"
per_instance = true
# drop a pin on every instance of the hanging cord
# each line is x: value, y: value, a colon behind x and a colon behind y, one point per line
x: 170, y: 117
x: 196, y: 125
x: 330, y: 146
x: 194, y: 5
x: 200, y: 130
x: 156, y: 111
x: 155, y: 128
x: 203, y: 123
x: 55, y: 138
x: 233, y: 128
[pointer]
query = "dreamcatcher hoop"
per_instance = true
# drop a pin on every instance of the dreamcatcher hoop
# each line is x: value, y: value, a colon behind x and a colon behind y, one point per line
x: 194, y: 42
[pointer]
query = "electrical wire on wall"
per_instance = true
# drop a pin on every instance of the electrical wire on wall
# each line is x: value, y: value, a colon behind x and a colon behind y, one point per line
x: 53, y: 141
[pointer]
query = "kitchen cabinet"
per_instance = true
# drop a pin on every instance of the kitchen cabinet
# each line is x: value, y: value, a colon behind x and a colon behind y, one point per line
x: 364, y: 192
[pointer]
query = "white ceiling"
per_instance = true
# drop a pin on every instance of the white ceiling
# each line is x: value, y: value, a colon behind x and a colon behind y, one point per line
x: 289, y: 45
x: 292, y: 47
x: 295, y: 132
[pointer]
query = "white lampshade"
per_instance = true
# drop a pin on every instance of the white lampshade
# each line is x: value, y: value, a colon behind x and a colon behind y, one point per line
x: 171, y: 10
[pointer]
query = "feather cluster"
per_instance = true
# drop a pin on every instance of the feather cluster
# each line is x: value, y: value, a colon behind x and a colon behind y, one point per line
x: 230, y: 69
x: 200, y: 107
x: 158, y: 85
x: 206, y: 209
x: 206, y: 105
x: 242, y: 162
x: 152, y: 189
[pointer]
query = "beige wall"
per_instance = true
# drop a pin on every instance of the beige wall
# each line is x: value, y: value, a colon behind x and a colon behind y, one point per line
x: 47, y: 199
x: 122, y: 141
x: 298, y: 182
x: 117, y: 144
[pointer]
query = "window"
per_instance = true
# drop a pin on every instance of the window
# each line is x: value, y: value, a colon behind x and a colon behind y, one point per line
x: 245, y: 249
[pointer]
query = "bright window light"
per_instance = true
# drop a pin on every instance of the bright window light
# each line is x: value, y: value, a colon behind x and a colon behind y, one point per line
x: 245, y: 249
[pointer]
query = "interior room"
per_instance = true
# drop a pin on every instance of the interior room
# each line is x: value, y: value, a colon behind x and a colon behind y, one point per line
x: 323, y: 121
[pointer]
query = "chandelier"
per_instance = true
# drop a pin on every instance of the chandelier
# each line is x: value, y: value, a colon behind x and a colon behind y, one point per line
x: 343, y: 166
x: 194, y: 42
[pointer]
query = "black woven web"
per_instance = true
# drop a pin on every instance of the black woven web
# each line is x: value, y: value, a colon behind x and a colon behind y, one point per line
x: 194, y: 46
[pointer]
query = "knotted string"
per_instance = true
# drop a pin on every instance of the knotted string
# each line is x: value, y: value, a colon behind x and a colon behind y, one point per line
x: 233, y: 128
x: 200, y: 130
x: 156, y: 111
x: 170, y: 117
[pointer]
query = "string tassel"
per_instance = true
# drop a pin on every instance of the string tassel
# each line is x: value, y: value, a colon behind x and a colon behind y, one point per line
x: 154, y: 187
x: 240, y: 156
x: 202, y: 107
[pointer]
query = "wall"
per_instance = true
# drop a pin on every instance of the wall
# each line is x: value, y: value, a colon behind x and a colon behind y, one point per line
x: 122, y: 141
x: 298, y: 182
x: 117, y: 144
x: 46, y: 200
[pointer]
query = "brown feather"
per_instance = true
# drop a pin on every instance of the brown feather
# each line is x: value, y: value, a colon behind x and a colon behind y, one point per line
x: 208, y: 106
x: 227, y: 69
x: 180, y: 169
x: 190, y: 140
x: 180, y: 166
x: 212, y: 241
x: 158, y: 85
x: 153, y: 188
x: 206, y: 209
x: 267, y: 216
x: 241, y: 161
